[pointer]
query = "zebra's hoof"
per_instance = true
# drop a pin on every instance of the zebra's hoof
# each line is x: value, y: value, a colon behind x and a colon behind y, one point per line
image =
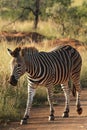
x: 23, y: 122
x: 65, y: 115
x: 51, y: 118
x: 79, y: 110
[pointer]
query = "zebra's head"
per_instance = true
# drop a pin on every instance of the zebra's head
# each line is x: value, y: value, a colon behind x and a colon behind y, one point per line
x: 18, y: 67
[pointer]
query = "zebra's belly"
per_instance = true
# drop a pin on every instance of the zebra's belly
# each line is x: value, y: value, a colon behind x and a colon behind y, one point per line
x: 51, y: 78
x: 62, y: 79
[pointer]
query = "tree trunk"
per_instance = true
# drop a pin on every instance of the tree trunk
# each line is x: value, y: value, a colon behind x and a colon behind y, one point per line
x: 37, y: 11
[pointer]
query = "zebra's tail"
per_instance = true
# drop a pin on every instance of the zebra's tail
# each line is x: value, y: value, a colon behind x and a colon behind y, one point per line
x: 73, y: 90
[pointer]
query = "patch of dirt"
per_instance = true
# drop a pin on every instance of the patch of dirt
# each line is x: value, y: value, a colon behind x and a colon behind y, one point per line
x: 21, y: 36
x: 39, y: 117
x: 67, y: 41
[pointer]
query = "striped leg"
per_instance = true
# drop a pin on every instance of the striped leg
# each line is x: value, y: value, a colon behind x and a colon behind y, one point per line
x: 31, y: 93
x: 78, y: 91
x: 76, y: 82
x: 50, y: 100
x: 66, y: 93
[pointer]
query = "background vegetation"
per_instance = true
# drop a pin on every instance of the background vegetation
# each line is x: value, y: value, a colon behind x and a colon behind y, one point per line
x: 56, y: 19
x: 69, y: 17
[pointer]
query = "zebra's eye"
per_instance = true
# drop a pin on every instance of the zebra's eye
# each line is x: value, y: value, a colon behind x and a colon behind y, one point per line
x: 19, y: 65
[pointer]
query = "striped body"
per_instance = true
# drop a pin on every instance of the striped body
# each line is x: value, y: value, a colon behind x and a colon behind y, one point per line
x: 54, y: 67
x: 48, y: 68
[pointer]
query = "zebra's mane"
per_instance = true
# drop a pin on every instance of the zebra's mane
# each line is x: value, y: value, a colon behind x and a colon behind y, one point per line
x: 29, y: 50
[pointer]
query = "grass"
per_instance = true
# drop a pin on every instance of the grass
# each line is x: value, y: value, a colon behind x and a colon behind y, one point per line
x: 84, y: 68
x: 77, y: 3
x: 45, y: 28
x: 49, y: 29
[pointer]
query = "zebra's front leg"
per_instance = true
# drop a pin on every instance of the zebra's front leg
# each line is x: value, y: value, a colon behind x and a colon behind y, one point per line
x: 66, y: 93
x: 50, y: 100
x: 31, y: 93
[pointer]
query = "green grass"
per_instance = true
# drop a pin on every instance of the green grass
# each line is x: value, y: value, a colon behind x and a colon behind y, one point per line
x: 40, y: 96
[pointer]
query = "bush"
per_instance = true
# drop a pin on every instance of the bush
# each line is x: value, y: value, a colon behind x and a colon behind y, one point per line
x: 40, y: 96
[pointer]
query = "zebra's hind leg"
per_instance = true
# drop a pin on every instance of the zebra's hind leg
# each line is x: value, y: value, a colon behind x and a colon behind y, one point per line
x: 66, y: 93
x: 78, y: 104
x: 24, y: 120
x: 50, y: 100
x: 31, y: 93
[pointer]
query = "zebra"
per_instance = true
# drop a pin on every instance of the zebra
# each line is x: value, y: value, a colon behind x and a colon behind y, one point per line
x: 57, y: 66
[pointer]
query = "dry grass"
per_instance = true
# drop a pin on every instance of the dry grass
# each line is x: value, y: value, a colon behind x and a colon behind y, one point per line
x: 77, y: 3
x: 44, y: 27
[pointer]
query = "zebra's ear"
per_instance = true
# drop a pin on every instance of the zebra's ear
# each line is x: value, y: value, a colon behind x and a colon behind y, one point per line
x: 14, y: 53
x: 9, y: 51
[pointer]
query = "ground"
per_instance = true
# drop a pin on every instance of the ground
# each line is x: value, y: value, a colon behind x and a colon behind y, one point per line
x: 39, y: 118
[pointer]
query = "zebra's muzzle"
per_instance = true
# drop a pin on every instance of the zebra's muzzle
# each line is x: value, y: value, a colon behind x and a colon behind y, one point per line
x: 13, y: 81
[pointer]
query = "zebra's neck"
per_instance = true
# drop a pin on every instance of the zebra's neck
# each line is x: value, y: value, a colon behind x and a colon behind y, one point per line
x: 30, y: 62
x: 30, y: 56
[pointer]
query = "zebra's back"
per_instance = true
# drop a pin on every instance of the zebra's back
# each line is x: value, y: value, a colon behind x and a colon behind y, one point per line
x: 56, y: 66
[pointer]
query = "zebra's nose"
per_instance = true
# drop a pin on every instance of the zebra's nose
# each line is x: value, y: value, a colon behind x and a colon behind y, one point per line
x: 13, y: 81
